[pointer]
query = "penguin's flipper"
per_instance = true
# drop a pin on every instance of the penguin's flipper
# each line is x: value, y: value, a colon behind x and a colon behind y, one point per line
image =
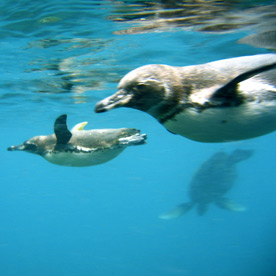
x: 230, y: 205
x: 228, y: 92
x: 177, y: 212
x: 61, y: 131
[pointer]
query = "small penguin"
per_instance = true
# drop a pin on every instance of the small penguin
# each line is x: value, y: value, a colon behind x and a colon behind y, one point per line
x: 221, y: 101
x: 80, y: 148
x: 214, y: 178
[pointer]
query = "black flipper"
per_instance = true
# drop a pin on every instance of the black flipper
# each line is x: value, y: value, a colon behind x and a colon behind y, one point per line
x: 61, y: 131
x: 228, y: 93
x: 171, y: 132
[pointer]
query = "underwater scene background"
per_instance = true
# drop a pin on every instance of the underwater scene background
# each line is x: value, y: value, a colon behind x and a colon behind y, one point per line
x: 62, y: 57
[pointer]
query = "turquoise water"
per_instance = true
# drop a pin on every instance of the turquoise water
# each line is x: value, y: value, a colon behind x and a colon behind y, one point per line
x: 62, y: 57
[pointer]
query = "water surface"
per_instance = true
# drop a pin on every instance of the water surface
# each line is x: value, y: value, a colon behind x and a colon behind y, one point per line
x: 61, y: 57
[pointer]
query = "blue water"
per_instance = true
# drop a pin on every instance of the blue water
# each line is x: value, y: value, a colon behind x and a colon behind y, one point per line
x: 62, y: 57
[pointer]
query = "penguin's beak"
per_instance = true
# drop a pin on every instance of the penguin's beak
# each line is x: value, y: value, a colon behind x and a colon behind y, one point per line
x: 29, y: 147
x: 119, y: 99
x: 19, y: 147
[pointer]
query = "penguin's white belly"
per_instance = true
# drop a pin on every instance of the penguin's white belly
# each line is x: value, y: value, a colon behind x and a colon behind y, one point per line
x: 225, y: 124
x: 82, y: 159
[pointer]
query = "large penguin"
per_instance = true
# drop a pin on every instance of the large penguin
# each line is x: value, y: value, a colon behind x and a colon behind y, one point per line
x: 214, y: 178
x: 80, y: 147
x: 221, y: 101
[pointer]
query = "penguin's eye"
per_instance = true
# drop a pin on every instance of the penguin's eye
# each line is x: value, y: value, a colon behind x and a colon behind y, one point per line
x: 140, y: 86
x: 30, y: 147
x: 140, y: 89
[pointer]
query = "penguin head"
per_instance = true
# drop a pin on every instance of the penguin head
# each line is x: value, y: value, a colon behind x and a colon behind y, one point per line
x: 36, y: 145
x: 144, y: 89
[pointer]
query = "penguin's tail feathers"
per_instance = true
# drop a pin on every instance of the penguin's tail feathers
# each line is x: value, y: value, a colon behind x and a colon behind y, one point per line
x: 178, y: 211
x: 134, y: 138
